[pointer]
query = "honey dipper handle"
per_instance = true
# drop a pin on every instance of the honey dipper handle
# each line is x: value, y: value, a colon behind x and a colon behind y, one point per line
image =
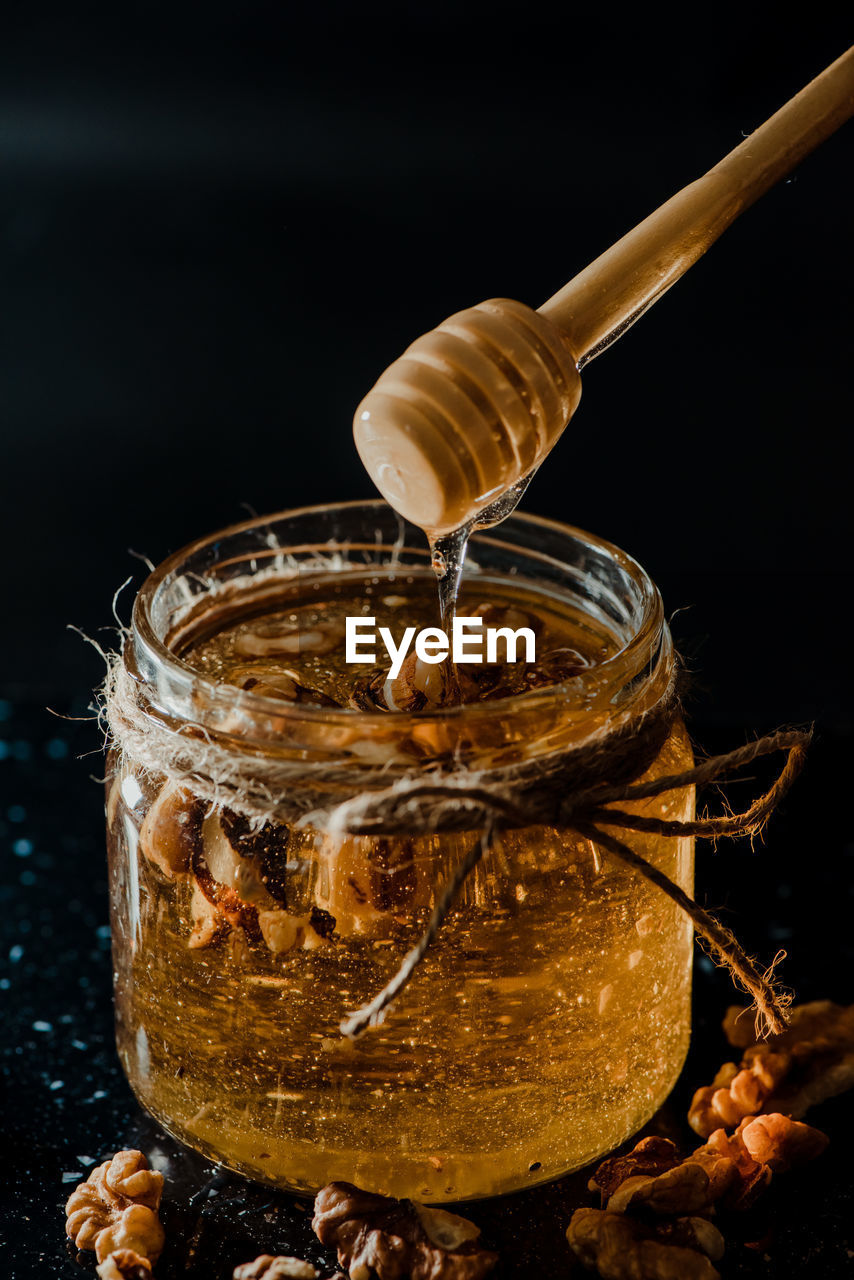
x: 606, y: 298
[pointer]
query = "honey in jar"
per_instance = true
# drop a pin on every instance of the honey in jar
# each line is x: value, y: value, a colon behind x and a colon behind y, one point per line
x: 550, y: 1017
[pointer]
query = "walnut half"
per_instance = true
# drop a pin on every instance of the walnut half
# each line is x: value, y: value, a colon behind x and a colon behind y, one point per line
x: 124, y: 1264
x: 266, y: 1267
x: 115, y: 1209
x: 812, y: 1060
x: 624, y: 1248
x: 396, y: 1239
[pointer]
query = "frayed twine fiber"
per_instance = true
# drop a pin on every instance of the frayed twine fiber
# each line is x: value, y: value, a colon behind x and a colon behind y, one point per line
x: 575, y: 789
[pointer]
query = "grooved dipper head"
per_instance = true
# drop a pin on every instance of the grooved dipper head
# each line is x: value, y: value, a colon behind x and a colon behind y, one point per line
x: 467, y: 411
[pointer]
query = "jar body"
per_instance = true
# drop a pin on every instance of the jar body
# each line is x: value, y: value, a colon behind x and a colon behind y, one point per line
x: 547, y: 1022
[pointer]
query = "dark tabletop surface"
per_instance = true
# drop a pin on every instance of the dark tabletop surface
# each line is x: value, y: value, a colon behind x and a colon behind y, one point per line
x: 67, y: 1105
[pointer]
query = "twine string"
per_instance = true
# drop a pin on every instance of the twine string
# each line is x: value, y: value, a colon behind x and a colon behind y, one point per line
x: 770, y: 1004
x: 372, y: 1014
x: 587, y: 817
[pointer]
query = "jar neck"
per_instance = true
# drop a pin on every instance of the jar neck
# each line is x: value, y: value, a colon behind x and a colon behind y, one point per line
x: 249, y: 565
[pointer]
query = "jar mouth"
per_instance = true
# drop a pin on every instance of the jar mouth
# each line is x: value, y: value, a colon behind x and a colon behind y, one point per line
x: 274, y: 549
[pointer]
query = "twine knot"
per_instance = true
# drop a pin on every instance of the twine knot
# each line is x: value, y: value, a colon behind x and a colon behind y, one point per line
x: 442, y: 802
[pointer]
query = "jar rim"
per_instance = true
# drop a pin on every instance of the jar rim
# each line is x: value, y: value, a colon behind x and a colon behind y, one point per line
x: 626, y: 663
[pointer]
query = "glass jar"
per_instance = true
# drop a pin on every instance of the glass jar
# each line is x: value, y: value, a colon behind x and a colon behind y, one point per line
x: 549, y: 1019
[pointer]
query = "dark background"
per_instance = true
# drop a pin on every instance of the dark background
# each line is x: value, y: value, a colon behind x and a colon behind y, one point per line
x: 218, y: 224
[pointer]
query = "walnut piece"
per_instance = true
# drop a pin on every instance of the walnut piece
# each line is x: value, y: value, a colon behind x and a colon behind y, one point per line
x: 650, y: 1157
x: 283, y: 932
x: 623, y: 1248
x: 735, y: 1093
x: 812, y: 1060
x: 171, y: 830
x: 416, y: 686
x: 277, y: 682
x: 230, y: 885
x: 748, y: 1178
x: 287, y: 641
x: 656, y: 1178
x: 209, y: 924
x: 649, y: 1227
x: 447, y: 1230
x: 687, y: 1188
x: 266, y: 1267
x: 817, y: 1020
x: 396, y: 1239
x: 115, y: 1209
x: 780, y: 1143
x: 124, y: 1264
x: 499, y: 615
x: 729, y: 1171
x: 237, y: 880
x: 265, y: 846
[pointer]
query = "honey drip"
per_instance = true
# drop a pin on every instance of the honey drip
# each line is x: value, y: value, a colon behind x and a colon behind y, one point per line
x: 448, y: 550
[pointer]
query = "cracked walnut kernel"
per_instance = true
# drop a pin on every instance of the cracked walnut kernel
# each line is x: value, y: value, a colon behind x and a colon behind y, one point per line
x: 124, y: 1264
x: 812, y: 1060
x: 267, y: 1267
x: 623, y: 1248
x: 779, y: 1142
x: 116, y: 1209
x: 391, y: 1239
x: 171, y: 830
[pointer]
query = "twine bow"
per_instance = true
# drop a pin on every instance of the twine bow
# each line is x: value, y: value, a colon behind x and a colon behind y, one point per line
x: 588, y: 812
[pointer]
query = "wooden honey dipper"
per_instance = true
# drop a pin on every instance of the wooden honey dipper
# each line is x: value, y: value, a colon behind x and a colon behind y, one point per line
x: 453, y: 430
